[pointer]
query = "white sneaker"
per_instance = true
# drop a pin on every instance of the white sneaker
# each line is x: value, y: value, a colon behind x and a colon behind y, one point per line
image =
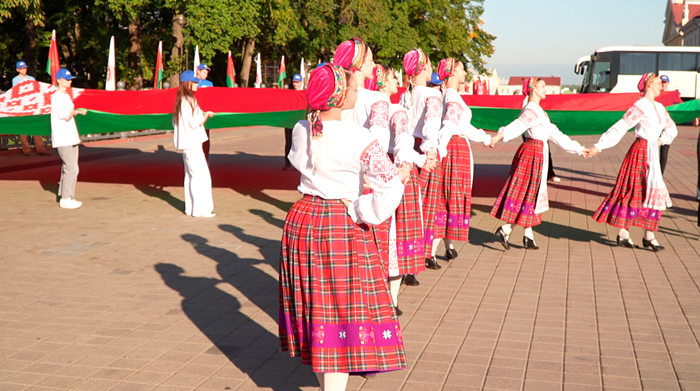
x: 207, y: 215
x: 556, y: 179
x: 69, y: 203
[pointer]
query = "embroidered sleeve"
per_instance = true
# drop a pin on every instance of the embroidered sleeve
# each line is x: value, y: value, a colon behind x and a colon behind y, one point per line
x: 670, y: 131
x: 379, y: 115
x: 433, y: 107
x: 453, y: 113
x: 377, y: 163
x: 399, y: 122
x: 528, y: 117
x: 633, y: 115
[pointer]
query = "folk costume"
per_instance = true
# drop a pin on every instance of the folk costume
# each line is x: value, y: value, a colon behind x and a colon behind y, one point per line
x: 640, y: 194
x: 524, y: 196
x: 335, y: 308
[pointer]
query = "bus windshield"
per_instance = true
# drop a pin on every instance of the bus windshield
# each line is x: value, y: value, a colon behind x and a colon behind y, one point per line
x: 600, y: 80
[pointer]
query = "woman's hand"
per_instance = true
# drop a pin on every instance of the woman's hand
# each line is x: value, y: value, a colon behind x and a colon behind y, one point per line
x: 660, y: 142
x: 79, y: 111
x: 496, y: 139
x: 405, y: 171
x: 346, y: 202
x: 590, y: 152
x: 209, y: 114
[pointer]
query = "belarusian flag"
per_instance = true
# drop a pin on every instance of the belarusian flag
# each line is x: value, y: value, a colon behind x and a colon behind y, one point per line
x: 111, y: 83
x: 230, y: 72
x: 53, y: 64
x: 158, y: 75
x: 283, y: 74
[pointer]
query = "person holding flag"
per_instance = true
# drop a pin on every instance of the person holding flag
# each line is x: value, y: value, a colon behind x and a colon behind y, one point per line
x: 38, y: 141
x: 202, y: 74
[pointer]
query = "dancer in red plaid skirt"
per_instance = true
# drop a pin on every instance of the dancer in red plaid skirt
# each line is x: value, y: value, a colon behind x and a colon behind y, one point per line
x: 524, y: 196
x: 640, y: 194
x: 336, y: 311
x: 424, y: 106
x: 406, y: 253
x: 457, y: 163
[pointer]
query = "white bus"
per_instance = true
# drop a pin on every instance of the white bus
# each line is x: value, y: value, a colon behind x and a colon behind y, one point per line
x: 618, y: 68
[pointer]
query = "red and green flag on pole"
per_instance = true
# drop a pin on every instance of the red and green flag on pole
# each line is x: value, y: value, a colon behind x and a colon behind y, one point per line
x: 230, y: 72
x: 53, y: 64
x: 158, y: 75
x: 283, y: 74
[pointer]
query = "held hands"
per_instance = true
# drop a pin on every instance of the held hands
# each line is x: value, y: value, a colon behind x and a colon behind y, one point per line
x: 590, y: 152
x: 405, y: 172
x: 346, y: 202
x: 495, y: 139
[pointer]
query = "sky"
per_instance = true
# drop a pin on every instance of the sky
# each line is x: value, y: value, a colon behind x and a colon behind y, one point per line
x: 547, y: 37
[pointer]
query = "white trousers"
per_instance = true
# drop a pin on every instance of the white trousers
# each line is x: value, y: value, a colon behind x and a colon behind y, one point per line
x: 198, y: 198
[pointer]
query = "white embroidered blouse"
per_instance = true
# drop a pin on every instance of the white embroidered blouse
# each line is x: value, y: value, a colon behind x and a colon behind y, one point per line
x: 425, y: 116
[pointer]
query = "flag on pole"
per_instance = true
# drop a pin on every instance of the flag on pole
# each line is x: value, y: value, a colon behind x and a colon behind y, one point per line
x: 302, y: 72
x: 53, y: 65
x: 283, y: 74
x: 258, y: 72
x: 196, y: 58
x: 158, y: 75
x: 230, y: 72
x: 111, y: 83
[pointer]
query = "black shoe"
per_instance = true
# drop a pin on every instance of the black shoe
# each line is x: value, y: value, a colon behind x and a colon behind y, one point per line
x: 398, y: 311
x: 529, y: 244
x: 450, y: 254
x: 503, y: 238
x: 431, y: 263
x: 648, y: 243
x: 410, y: 280
x: 624, y: 242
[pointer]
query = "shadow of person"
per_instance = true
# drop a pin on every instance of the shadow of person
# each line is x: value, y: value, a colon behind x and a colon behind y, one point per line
x: 559, y: 231
x: 51, y: 187
x: 156, y: 191
x: 248, y: 345
x: 268, y: 217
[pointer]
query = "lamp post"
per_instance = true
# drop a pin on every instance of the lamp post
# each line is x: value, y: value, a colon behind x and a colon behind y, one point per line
x: 182, y: 21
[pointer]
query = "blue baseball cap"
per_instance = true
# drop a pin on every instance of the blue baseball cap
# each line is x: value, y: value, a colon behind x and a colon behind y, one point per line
x: 202, y: 66
x: 189, y: 76
x: 435, y: 79
x: 64, y: 73
x: 665, y: 78
x: 297, y: 77
x: 320, y: 65
x: 21, y: 64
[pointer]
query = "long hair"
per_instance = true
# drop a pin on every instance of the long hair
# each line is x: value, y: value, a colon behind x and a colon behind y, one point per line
x: 183, y: 92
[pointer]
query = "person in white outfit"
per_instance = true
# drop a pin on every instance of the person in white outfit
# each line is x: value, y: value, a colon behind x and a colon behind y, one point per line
x: 65, y: 138
x: 188, y: 122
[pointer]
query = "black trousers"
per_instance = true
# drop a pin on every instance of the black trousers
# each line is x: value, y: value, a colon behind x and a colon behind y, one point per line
x: 287, y: 146
x: 663, y: 156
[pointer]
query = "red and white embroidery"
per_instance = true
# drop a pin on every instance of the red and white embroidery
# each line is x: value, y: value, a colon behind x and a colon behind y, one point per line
x: 633, y: 115
x: 379, y: 115
x: 30, y: 98
x: 453, y: 113
x: 377, y: 162
x: 528, y: 117
x: 399, y: 122
x: 669, y: 122
x: 433, y: 107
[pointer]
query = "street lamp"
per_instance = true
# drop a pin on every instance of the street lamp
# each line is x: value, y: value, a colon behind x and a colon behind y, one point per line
x: 182, y: 21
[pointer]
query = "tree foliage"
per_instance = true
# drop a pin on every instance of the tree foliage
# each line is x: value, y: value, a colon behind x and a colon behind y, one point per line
x: 309, y: 29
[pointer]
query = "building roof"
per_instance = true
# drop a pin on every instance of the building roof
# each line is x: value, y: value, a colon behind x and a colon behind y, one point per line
x: 677, y: 10
x: 519, y: 80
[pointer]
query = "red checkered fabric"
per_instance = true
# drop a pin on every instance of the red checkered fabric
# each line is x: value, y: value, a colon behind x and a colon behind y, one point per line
x: 336, y: 311
x: 517, y: 201
x: 409, y: 229
x: 434, y: 205
x: 458, y: 188
x: 623, y: 206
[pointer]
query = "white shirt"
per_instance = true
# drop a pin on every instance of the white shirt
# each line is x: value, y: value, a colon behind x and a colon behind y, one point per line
x: 425, y: 115
x: 402, y: 141
x: 19, y: 79
x: 189, y: 129
x: 371, y: 112
x: 346, y: 153
x: 456, y: 120
x: 63, y: 132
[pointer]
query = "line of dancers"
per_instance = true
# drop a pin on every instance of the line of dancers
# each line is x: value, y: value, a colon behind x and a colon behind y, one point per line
x: 384, y: 183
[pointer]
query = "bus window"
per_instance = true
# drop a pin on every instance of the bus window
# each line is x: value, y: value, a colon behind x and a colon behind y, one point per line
x: 676, y: 61
x: 601, y: 77
x: 637, y: 63
x: 586, y: 78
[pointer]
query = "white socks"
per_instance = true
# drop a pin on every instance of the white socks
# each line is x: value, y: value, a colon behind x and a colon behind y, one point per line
x: 333, y: 381
x: 649, y: 235
x: 624, y: 234
x: 507, y: 229
x: 529, y: 234
x: 394, y: 286
x: 436, y: 243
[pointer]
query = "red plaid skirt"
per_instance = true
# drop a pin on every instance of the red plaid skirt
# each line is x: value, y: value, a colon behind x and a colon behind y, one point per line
x: 434, y: 206
x: 623, y: 206
x: 517, y: 201
x: 458, y: 189
x: 409, y: 229
x: 336, y: 311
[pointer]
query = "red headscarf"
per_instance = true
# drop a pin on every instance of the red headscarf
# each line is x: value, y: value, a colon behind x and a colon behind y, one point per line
x: 414, y: 62
x: 446, y: 68
x: 351, y: 54
x: 378, y: 79
x: 327, y: 88
x: 529, y: 85
x: 645, y: 82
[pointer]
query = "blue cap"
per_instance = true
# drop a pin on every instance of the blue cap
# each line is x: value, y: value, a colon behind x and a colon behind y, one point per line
x: 64, y: 73
x: 203, y: 66
x: 297, y: 77
x: 21, y: 64
x: 435, y: 79
x: 189, y: 76
x: 321, y: 64
x: 665, y: 78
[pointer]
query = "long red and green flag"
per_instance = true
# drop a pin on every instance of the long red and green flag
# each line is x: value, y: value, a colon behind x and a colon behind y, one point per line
x: 230, y: 72
x: 53, y: 64
x: 283, y: 74
x: 158, y: 75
